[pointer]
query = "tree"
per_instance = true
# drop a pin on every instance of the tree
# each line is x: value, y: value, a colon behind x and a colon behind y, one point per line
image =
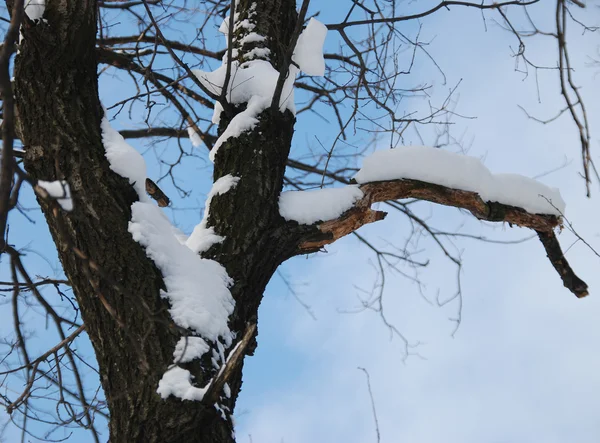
x: 114, y: 245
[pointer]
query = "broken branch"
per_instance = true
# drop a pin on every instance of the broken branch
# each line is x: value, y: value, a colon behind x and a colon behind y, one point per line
x: 361, y: 214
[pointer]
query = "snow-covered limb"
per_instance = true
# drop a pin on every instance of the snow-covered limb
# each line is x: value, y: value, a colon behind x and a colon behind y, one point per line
x: 429, y: 174
x: 457, y: 171
x: 361, y: 214
x: 308, y: 207
x: 439, y: 177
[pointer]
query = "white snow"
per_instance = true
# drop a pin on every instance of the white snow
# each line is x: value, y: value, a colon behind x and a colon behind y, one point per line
x: 58, y: 189
x: 203, y: 238
x: 35, y: 9
x: 527, y: 193
x: 254, y: 81
x: 308, y: 53
x: 194, y: 137
x: 189, y: 348
x: 197, y: 288
x: 216, y: 118
x: 462, y: 172
x: 124, y: 159
x: 252, y: 37
x: 263, y: 53
x: 246, y: 24
x: 178, y: 382
x: 308, y: 207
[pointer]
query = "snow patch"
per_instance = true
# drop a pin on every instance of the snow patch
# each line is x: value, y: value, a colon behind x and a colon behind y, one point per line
x: 59, y: 190
x: 216, y: 118
x: 178, y: 382
x: 35, y: 9
x: 189, y: 348
x: 124, y: 159
x: 194, y: 137
x: 253, y: 37
x: 462, y: 172
x: 253, y: 82
x: 526, y: 193
x: 203, y: 238
x: 197, y: 288
x: 308, y: 53
x: 308, y: 207
x: 257, y: 53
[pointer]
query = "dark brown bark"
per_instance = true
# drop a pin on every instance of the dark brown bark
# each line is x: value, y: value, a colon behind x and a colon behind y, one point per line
x: 257, y: 239
x: 556, y: 256
x: 60, y: 113
x: 116, y: 285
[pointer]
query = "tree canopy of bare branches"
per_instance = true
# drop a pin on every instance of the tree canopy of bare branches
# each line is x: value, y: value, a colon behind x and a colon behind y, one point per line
x: 148, y: 59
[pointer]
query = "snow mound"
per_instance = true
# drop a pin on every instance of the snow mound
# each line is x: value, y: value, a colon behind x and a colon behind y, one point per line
x: 253, y: 82
x: 433, y: 165
x: 124, y: 159
x: 197, y: 288
x: 308, y: 207
x: 203, y: 238
x: 308, y: 53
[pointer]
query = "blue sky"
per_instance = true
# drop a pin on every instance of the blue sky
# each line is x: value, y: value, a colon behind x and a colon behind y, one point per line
x: 521, y: 367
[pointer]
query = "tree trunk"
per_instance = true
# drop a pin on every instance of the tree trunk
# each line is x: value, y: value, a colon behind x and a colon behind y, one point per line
x: 56, y: 92
x: 116, y: 285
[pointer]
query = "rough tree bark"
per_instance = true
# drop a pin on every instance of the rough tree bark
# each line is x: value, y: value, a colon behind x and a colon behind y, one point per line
x: 116, y: 285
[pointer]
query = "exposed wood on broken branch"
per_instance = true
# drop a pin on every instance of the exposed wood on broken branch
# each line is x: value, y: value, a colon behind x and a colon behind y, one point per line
x: 157, y: 194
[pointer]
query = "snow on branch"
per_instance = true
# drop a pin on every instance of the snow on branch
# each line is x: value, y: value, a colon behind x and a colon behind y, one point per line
x: 197, y: 289
x: 462, y: 172
x: 123, y: 158
x: 308, y: 207
x: 439, y: 177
